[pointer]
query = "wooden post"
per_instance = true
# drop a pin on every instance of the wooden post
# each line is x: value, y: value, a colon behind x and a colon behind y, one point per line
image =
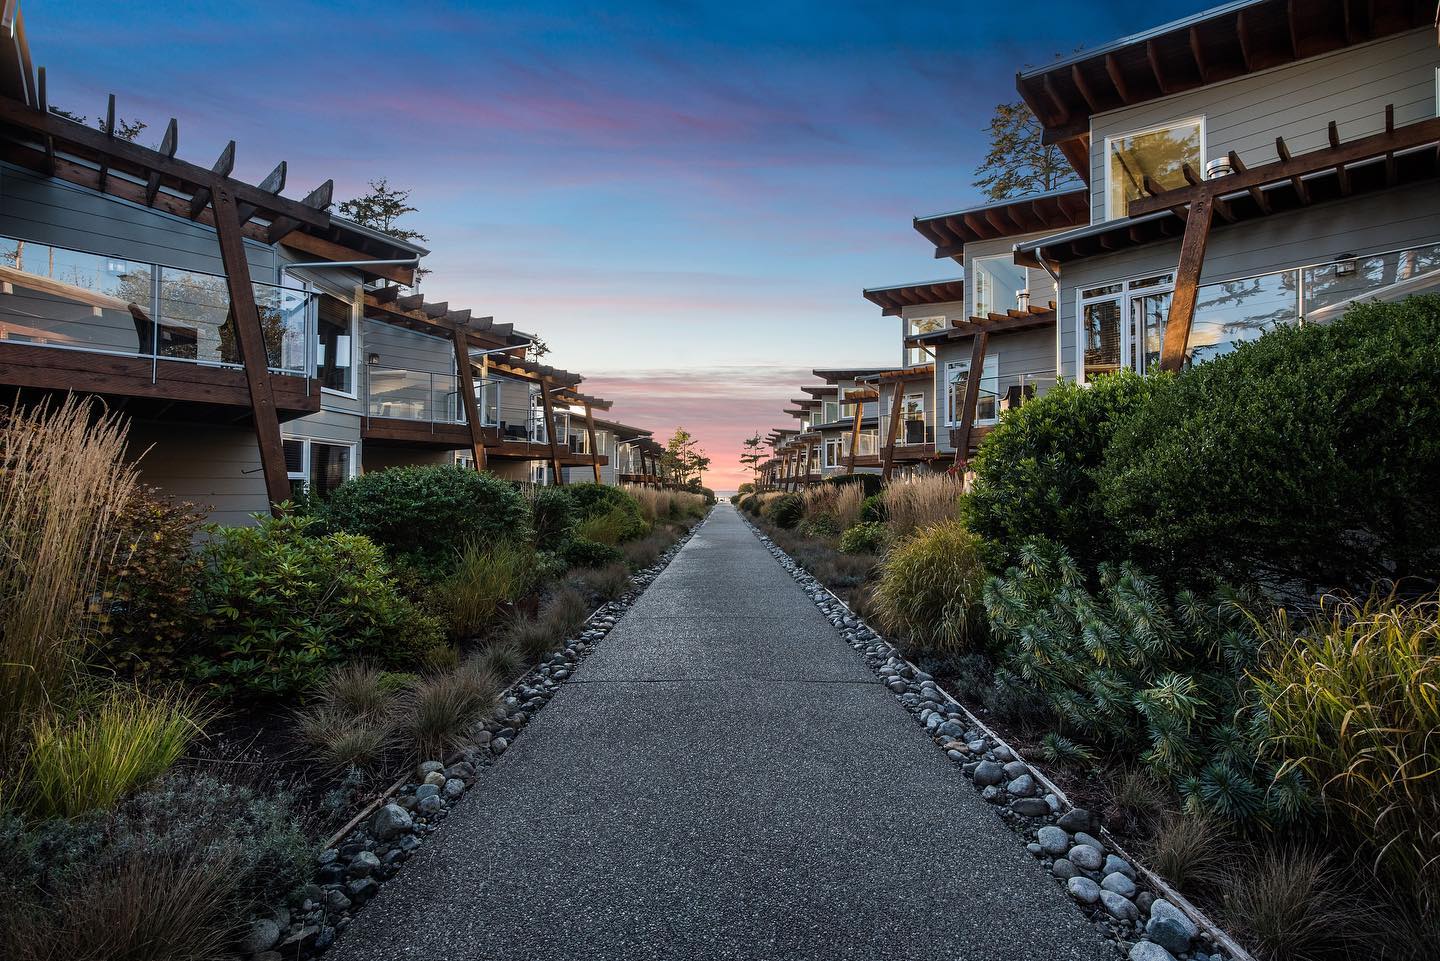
x: 855, y: 437
x: 548, y: 405
x: 594, y: 448
x: 1187, y: 283
x: 252, y: 345
x: 972, y: 397
x: 805, y: 474
x: 888, y: 464
x: 466, y: 382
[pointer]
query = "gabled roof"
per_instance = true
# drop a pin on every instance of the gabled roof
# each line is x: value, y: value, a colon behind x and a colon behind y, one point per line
x: 1055, y: 210
x: 1208, y: 47
x: 892, y: 300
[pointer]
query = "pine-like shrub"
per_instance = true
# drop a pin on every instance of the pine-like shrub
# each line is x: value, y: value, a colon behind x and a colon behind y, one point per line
x: 1308, y: 458
x: 1144, y: 674
x: 282, y: 608
x: 1036, y: 471
x: 930, y: 590
x: 867, y: 538
x: 785, y: 511
x: 424, y: 515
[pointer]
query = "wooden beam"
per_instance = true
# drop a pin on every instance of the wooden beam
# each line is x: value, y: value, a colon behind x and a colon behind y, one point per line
x: 1242, y: 33
x: 330, y: 250
x: 594, y: 445
x: 1256, y: 194
x: 972, y: 397
x: 465, y: 381
x: 1335, y: 157
x: 1198, y: 53
x: 110, y: 133
x: 855, y: 437
x: 1301, y: 190
x: 1341, y: 174
x: 549, y: 408
x: 1152, y: 54
x: 252, y: 345
x: 221, y: 171
x: 1083, y: 85
x: 1187, y: 283
x: 1117, y: 78
x: 168, y: 144
x: 48, y: 140
x: 893, y: 431
x: 274, y: 182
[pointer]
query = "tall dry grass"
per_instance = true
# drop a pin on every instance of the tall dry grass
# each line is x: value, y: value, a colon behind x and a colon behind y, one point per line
x: 914, y: 503
x: 63, y: 485
x: 660, y: 505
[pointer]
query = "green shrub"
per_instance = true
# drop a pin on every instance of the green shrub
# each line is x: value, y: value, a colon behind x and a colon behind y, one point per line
x: 148, y: 614
x: 609, y: 528
x: 282, y: 608
x: 583, y: 553
x: 88, y: 762
x: 821, y: 525
x: 1353, y: 699
x: 606, y: 583
x: 561, y: 614
x: 872, y: 509
x: 169, y: 875
x: 929, y: 590
x: 867, y: 538
x: 1036, y: 471
x: 745, y: 488
x: 485, y: 577
x: 1147, y: 675
x: 595, y: 500
x: 785, y: 511
x: 870, y: 484
x: 1310, y: 456
x: 552, y: 515
x: 424, y: 515
x: 750, y: 504
x: 503, y: 659
x: 442, y: 708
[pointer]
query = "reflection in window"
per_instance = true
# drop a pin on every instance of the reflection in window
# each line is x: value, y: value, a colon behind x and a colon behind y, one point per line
x: 1332, y: 284
x: 333, y: 354
x: 195, y: 319
x: 914, y: 356
x: 1230, y: 313
x: 1101, y: 330
x: 1159, y: 155
x: 50, y: 295
x: 995, y: 282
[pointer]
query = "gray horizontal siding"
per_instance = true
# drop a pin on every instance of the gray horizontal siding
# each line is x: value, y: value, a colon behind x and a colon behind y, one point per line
x: 1022, y: 352
x: 216, y: 468
x: 332, y: 425
x: 1296, y: 101
x: 1393, y: 219
x: 47, y: 211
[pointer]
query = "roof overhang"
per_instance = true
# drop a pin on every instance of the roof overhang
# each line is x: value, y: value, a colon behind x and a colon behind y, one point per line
x: 1056, y: 210
x: 892, y: 300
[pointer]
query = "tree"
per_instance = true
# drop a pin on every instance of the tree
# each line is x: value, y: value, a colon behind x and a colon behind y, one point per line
x: 380, y: 210
x: 536, y: 349
x: 1018, y: 162
x: 124, y: 129
x: 753, y: 454
x: 683, y: 457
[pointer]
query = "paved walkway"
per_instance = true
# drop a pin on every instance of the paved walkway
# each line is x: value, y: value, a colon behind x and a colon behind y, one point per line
x: 722, y: 778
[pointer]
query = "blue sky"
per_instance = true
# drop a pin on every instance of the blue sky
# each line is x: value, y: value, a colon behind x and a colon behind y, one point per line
x: 684, y: 199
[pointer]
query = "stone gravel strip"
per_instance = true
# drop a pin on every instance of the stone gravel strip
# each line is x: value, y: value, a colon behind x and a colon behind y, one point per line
x: 1140, y: 925
x: 349, y: 874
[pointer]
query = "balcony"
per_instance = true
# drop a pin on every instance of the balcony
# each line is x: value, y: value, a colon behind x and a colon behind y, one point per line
x: 145, y: 335
x: 996, y: 395
x: 414, y: 407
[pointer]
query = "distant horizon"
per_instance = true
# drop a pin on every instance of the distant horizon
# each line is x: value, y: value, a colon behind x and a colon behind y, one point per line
x: 684, y: 202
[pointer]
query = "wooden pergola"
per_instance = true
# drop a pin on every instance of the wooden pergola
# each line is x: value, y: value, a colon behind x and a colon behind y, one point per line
x: 897, y: 379
x: 1394, y: 157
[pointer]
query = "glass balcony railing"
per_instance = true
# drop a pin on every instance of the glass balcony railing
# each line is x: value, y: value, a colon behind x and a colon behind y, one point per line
x: 57, y: 297
x: 514, y: 410
x: 413, y: 395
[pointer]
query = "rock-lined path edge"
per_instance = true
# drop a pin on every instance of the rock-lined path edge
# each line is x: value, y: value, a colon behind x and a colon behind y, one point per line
x: 723, y: 778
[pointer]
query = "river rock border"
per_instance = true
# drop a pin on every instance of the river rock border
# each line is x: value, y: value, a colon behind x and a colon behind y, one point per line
x: 1143, y: 918
x: 350, y: 871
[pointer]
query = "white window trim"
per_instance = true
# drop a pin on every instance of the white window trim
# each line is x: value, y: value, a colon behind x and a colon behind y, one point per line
x: 906, y: 331
x: 305, y: 441
x: 989, y: 370
x: 1105, y: 157
x: 354, y: 392
x: 974, y: 291
x: 1123, y: 295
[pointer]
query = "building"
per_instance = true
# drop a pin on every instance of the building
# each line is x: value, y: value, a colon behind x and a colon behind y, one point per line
x: 1256, y: 164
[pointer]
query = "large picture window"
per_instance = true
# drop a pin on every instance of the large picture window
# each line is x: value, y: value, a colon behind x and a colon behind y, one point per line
x: 317, y: 468
x: 995, y: 282
x: 334, y: 361
x: 1159, y: 154
x: 914, y: 326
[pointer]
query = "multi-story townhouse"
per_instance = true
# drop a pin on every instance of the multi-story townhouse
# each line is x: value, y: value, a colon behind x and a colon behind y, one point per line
x: 257, y: 343
x: 847, y: 420
x: 1260, y: 163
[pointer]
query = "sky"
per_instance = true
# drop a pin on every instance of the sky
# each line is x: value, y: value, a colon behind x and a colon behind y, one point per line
x: 683, y: 199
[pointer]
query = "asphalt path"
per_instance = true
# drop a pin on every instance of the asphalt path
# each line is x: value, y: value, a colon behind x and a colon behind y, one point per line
x: 722, y: 778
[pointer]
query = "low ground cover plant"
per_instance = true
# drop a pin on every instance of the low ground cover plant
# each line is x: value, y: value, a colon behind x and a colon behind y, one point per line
x: 870, y: 537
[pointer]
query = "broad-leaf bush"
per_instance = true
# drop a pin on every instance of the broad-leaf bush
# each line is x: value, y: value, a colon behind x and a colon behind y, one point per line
x: 424, y: 515
x: 583, y: 553
x: 1036, y: 471
x: 283, y: 607
x: 1132, y: 669
x: 1307, y: 458
x: 596, y: 500
x: 147, y: 613
x: 552, y: 515
x: 867, y: 538
x: 930, y: 590
x: 1353, y: 697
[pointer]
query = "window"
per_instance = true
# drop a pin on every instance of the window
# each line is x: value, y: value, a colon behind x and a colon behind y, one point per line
x: 1159, y: 154
x: 996, y: 281
x: 914, y: 326
x: 957, y: 376
x: 913, y: 415
x: 835, y: 451
x: 334, y: 361
x: 831, y: 412
x: 1123, y: 325
x: 317, y: 467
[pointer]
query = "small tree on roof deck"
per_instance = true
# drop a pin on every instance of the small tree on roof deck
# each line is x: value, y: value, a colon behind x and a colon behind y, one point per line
x: 1018, y: 162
